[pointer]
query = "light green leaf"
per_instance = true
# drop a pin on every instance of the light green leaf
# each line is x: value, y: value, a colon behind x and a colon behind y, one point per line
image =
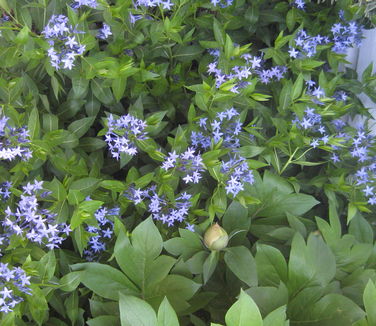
x: 276, y: 317
x: 244, y: 312
x: 167, y: 315
x: 369, y: 299
x: 135, y: 312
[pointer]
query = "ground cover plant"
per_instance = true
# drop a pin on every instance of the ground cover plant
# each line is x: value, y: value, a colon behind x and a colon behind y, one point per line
x: 183, y: 162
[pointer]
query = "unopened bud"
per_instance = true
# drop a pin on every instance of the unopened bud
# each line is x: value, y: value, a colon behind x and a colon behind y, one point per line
x: 215, y: 237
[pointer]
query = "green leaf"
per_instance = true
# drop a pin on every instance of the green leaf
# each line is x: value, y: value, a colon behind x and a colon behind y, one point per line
x: 218, y: 32
x: 104, y: 321
x: 34, y: 124
x: 242, y: 264
x: 243, y: 312
x: 271, y: 265
x: 135, y: 312
x: 276, y: 317
x: 298, y: 87
x: 351, y: 212
x: 361, y: 229
x: 105, y: 280
x: 369, y: 299
x: 22, y: 36
x: 71, y: 307
x: 57, y: 188
x: 101, y: 92
x: 311, y: 264
x: 50, y: 122
x: 47, y: 265
x: 113, y: 185
x: 69, y: 282
x: 37, y: 304
x: 118, y: 87
x: 209, y: 265
x: 147, y: 240
x: 285, y: 98
x: 167, y: 315
x: 333, y: 309
x: 81, y: 126
x: 85, y: 185
x: 80, y: 86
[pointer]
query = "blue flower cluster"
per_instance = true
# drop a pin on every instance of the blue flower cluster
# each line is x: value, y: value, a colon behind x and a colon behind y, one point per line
x: 166, y: 4
x: 161, y: 208
x: 222, y: 3
x: 346, y: 35
x: 226, y: 126
x: 188, y: 162
x: 63, y: 41
x: 14, y: 142
x: 305, y: 44
x: 4, y: 190
x: 103, y: 233
x: 104, y: 32
x: 358, y: 147
x: 252, y: 65
x: 238, y: 173
x: 89, y: 3
x: 31, y: 221
x: 312, y: 122
x: 13, y: 284
x: 122, y: 134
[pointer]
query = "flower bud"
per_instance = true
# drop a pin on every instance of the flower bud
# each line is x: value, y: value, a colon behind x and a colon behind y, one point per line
x: 215, y: 237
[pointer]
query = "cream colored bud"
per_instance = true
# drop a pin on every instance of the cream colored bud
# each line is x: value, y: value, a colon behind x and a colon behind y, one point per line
x: 215, y: 237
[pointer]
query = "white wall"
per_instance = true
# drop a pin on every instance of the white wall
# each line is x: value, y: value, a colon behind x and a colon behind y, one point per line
x: 360, y: 58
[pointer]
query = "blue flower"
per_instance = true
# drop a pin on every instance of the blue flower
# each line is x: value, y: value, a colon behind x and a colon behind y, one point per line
x: 104, y: 32
x: 13, y: 286
x: 31, y: 221
x: 122, y: 134
x: 101, y: 234
x: 63, y: 41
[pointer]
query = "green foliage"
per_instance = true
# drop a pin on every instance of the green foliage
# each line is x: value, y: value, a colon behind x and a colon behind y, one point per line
x: 300, y: 225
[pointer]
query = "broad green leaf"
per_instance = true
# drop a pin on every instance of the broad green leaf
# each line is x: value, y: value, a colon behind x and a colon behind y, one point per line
x: 85, y: 185
x: 37, y: 305
x: 369, y: 299
x: 276, y: 317
x: 244, y: 312
x: 104, y: 321
x: 167, y: 315
x: 135, y: 312
x: 57, y: 188
x: 71, y: 307
x: 81, y: 126
x: 271, y: 265
x: 242, y: 264
x: 105, y: 280
x: 333, y: 309
x: 70, y: 281
x: 80, y: 86
x: 310, y: 264
x: 46, y: 266
x: 269, y: 298
x: 147, y: 240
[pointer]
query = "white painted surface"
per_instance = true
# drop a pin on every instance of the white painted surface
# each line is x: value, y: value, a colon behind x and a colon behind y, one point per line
x: 359, y: 59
